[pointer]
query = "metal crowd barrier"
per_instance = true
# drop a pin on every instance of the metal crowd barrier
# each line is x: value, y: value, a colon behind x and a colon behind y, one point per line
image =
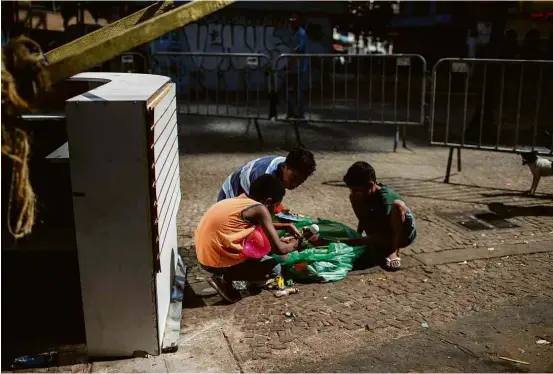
x: 332, y: 88
x: 489, y: 104
x: 129, y: 62
x: 234, y: 85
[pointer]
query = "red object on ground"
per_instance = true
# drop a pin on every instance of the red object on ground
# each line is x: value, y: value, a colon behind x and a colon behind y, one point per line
x: 256, y: 245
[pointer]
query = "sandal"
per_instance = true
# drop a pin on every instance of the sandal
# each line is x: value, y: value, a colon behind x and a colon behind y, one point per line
x: 392, y: 264
x: 224, y: 289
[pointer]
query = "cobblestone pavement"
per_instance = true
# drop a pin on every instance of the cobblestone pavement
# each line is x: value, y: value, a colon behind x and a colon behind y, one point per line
x: 331, y: 320
x: 472, y: 343
x: 374, y: 308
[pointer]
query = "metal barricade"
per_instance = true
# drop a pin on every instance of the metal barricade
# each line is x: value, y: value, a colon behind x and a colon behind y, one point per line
x: 383, y: 89
x: 129, y: 62
x: 134, y: 62
x: 234, y: 85
x: 488, y: 104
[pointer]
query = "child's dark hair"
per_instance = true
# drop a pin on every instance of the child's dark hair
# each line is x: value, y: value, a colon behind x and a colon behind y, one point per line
x: 301, y: 160
x: 266, y: 187
x: 359, y: 175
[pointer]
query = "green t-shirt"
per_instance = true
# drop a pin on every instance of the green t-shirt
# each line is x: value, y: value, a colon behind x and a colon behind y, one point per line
x: 374, y: 214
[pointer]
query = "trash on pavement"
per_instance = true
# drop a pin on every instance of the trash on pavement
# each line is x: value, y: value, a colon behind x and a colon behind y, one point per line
x: 27, y: 362
x: 424, y: 324
x: 513, y: 360
x: 286, y: 292
x: 543, y: 342
x: 324, y: 263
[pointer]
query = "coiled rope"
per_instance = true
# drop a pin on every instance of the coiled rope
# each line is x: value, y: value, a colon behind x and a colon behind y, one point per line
x: 23, y: 78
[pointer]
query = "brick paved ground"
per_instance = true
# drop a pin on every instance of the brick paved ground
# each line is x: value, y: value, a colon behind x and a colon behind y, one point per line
x: 487, y: 180
x: 372, y: 308
x: 331, y: 320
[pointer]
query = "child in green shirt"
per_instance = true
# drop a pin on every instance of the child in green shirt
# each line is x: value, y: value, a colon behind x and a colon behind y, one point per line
x: 383, y: 216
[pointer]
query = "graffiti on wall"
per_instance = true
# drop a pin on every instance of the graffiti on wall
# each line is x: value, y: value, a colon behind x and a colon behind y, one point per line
x: 224, y: 72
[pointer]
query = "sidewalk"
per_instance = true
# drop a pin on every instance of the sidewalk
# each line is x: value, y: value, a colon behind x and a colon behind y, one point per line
x: 371, y: 308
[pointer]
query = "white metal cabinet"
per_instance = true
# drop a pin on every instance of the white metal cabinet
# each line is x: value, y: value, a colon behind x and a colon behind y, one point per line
x: 123, y: 154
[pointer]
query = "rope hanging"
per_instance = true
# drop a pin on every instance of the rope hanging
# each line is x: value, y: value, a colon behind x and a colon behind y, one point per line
x: 23, y: 78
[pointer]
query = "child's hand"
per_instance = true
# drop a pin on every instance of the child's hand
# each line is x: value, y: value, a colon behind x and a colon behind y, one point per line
x: 287, y: 239
x: 294, y: 231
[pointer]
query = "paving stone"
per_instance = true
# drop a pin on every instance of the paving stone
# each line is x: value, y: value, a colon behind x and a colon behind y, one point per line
x: 458, y: 289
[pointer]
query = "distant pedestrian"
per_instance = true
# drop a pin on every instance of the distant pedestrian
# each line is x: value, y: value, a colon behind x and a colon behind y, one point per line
x: 296, y: 70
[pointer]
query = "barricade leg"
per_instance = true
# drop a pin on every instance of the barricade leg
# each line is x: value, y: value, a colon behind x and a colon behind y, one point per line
x: 459, y: 159
x: 258, y: 129
x: 404, y: 135
x: 449, y: 161
x: 396, y: 138
x: 296, y: 125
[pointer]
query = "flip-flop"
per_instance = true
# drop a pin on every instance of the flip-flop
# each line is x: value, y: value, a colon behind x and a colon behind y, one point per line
x: 392, y: 264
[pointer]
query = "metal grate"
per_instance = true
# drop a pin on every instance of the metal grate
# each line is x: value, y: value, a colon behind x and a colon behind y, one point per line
x: 477, y: 221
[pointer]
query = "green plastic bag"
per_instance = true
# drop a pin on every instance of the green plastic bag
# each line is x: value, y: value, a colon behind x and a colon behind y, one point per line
x: 323, y: 264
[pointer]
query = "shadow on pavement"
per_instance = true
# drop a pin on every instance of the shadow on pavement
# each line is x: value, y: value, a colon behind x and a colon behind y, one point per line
x: 201, y: 134
x: 434, y: 189
x: 548, y: 197
x: 511, y: 211
x: 473, y: 343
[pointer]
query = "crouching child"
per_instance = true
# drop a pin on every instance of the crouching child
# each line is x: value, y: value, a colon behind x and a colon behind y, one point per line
x: 220, y: 235
x: 383, y: 217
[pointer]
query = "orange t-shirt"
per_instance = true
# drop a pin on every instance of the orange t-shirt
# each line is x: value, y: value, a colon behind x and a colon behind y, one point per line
x: 220, y: 235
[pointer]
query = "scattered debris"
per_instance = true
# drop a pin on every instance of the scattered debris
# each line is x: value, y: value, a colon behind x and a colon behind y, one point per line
x: 512, y: 360
x: 463, y: 263
x: 424, y: 324
x: 525, y: 241
x: 425, y: 280
x: 27, y: 362
x: 288, y: 320
x: 491, y: 249
x: 286, y: 292
x: 288, y: 314
x: 504, y: 257
x: 543, y: 342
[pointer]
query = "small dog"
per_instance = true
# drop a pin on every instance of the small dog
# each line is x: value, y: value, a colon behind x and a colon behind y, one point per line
x: 539, y: 166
